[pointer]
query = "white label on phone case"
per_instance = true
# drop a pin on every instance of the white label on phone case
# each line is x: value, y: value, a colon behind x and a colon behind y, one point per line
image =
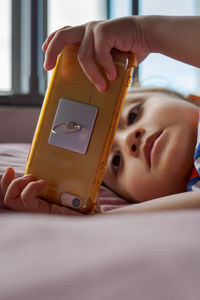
x: 73, y: 125
x: 70, y: 200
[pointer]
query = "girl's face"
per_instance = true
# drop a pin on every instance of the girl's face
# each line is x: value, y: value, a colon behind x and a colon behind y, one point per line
x: 153, y: 150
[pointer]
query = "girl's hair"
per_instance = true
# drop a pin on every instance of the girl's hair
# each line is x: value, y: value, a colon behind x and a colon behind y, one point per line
x: 190, y: 98
x: 158, y: 90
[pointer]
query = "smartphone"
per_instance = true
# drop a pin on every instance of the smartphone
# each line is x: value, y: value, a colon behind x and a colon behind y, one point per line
x: 75, y: 131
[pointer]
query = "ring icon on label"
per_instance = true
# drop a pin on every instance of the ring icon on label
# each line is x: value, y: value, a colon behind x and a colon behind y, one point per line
x: 68, y: 127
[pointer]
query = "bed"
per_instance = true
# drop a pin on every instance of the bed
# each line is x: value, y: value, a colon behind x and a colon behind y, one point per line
x: 141, y: 256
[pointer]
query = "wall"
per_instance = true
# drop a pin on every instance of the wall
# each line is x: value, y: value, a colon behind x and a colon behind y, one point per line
x: 17, y: 124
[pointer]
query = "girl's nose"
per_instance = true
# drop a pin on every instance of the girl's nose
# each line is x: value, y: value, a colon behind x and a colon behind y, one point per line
x: 133, y: 141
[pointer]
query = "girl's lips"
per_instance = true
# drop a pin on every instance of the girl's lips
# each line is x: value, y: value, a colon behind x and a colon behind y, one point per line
x: 148, y: 146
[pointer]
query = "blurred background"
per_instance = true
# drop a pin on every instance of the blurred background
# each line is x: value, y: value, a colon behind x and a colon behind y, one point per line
x: 26, y: 23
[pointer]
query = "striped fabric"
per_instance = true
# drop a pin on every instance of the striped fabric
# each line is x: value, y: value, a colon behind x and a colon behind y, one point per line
x: 194, y: 182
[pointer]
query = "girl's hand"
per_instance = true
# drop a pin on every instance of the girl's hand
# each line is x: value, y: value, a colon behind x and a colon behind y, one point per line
x: 20, y: 194
x: 96, y: 41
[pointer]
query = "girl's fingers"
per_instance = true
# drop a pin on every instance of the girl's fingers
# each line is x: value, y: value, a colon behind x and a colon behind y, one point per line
x: 6, y: 179
x: 30, y: 199
x: 12, y: 197
x: 104, y: 58
x: 34, y: 204
x: 20, y: 194
x: 92, y: 50
x: 102, y: 48
x: 60, y: 39
x: 87, y: 59
x: 49, y: 38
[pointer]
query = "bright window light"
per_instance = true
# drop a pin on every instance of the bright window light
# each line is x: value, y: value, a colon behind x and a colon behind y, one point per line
x: 158, y: 70
x: 62, y: 12
x: 72, y: 13
x: 119, y: 8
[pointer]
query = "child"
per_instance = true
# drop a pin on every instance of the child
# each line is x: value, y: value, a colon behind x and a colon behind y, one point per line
x: 153, y: 150
x: 152, y: 155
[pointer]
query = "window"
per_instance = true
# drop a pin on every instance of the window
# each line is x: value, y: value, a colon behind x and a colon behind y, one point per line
x: 62, y: 13
x: 25, y: 29
x: 118, y: 8
x: 26, y: 24
x: 156, y: 70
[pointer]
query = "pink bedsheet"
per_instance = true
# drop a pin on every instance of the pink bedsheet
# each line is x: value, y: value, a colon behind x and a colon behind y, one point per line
x: 153, y: 256
x: 15, y: 155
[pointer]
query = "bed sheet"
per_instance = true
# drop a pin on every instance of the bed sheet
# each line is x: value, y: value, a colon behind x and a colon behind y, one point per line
x: 15, y: 155
x: 153, y: 256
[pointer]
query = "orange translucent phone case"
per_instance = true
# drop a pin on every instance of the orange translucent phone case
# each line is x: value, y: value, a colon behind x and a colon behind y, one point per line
x: 75, y: 131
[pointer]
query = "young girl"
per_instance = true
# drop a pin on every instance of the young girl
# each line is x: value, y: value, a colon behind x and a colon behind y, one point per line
x: 153, y: 151
x: 152, y: 155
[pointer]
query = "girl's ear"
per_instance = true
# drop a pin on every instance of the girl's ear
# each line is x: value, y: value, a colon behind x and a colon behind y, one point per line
x: 194, y: 99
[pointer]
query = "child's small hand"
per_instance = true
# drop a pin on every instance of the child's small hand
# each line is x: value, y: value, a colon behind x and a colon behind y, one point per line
x: 96, y: 41
x: 20, y: 194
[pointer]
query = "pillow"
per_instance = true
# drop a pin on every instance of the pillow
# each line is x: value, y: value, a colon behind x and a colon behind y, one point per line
x: 15, y: 155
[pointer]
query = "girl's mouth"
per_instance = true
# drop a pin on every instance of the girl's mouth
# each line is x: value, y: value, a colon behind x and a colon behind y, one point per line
x: 149, y: 145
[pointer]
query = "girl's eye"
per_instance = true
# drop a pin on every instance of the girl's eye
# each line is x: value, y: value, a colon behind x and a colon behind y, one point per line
x: 133, y: 114
x: 116, y: 162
